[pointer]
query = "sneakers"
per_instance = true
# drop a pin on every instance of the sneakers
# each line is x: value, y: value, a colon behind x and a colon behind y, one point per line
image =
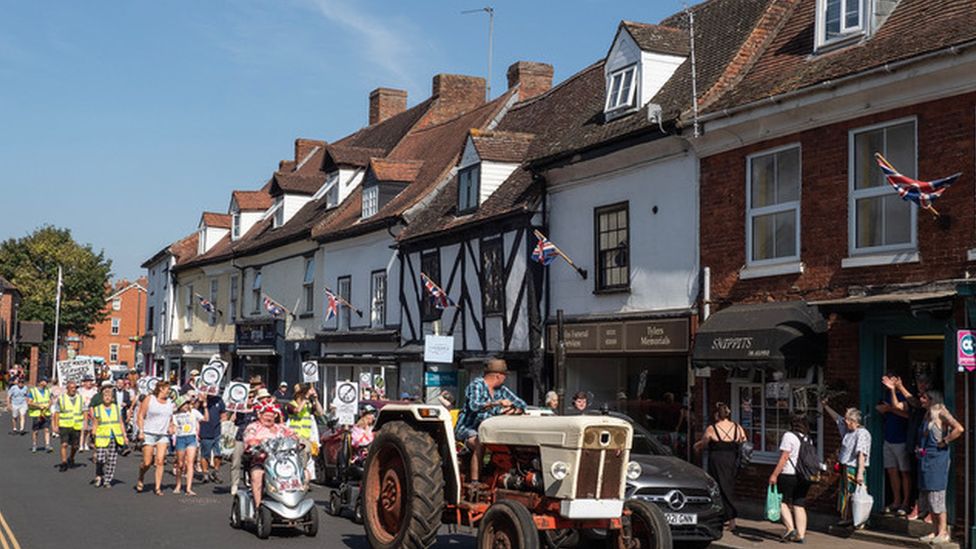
x: 928, y: 538
x: 215, y: 478
x: 48, y: 449
x: 233, y: 490
x: 33, y: 449
x: 62, y: 467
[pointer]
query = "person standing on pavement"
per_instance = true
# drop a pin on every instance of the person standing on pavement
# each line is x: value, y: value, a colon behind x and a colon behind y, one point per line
x: 154, y: 429
x: 210, y: 438
x: 39, y: 410
x: 723, y: 439
x: 854, y: 457
x: 792, y: 486
x: 17, y: 404
x: 897, y: 464
x: 87, y: 392
x: 71, y: 416
x: 109, y: 435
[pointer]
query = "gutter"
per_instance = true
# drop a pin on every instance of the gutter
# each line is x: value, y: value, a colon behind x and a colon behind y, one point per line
x: 831, y: 84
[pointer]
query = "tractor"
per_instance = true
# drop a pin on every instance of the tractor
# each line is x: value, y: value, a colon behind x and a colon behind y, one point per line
x: 547, y: 481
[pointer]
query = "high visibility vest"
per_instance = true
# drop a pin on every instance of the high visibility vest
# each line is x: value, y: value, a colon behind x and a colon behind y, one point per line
x: 41, y: 398
x: 109, y: 425
x: 301, y: 422
x: 70, y: 412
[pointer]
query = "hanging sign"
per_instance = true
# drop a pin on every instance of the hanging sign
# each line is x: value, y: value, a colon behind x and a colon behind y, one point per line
x: 439, y: 349
x: 210, y: 377
x: 235, y: 396
x: 966, y: 350
x: 310, y: 371
x: 347, y: 402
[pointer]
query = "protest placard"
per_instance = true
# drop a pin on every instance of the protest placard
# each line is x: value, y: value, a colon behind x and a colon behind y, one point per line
x: 235, y: 396
x: 347, y: 402
x: 310, y: 371
x: 75, y: 370
x: 210, y: 377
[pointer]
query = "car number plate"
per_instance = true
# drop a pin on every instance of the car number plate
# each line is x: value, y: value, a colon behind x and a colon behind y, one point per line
x: 681, y: 519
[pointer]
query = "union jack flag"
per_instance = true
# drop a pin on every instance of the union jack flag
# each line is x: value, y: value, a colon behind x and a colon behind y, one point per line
x: 331, y: 305
x: 437, y: 295
x: 206, y: 304
x: 545, y: 252
x: 272, y: 307
x: 922, y: 193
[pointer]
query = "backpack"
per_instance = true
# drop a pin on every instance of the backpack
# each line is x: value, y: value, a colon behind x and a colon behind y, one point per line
x: 807, y: 465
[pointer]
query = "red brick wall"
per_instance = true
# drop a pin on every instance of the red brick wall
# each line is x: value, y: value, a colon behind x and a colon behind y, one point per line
x: 132, y: 315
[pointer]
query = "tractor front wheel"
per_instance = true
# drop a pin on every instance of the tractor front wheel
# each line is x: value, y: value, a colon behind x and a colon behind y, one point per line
x: 645, y: 528
x: 507, y: 525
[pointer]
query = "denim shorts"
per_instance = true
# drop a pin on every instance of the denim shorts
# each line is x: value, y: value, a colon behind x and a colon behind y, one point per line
x: 152, y: 440
x: 184, y: 442
x: 209, y: 447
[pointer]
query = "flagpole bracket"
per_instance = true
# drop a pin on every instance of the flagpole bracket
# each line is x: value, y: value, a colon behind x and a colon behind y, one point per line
x: 582, y: 273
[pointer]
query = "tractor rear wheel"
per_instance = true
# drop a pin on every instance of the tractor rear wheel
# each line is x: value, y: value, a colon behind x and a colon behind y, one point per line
x: 403, y: 490
x: 507, y: 525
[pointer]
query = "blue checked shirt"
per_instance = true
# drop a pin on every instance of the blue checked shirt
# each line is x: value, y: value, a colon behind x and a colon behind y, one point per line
x: 476, y: 397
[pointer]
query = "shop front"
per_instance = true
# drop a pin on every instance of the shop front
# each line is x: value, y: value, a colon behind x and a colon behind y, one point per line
x: 179, y: 359
x: 259, y: 345
x: 366, y: 357
x: 635, y: 366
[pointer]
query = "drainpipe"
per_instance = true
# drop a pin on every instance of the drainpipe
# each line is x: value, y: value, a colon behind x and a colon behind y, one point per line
x: 706, y: 312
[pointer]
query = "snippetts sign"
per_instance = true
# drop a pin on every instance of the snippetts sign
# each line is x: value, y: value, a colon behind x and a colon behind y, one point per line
x: 637, y: 336
x: 75, y: 370
x: 966, y: 350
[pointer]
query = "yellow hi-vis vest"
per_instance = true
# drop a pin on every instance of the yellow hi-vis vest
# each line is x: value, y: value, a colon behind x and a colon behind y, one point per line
x: 70, y: 414
x: 301, y: 422
x: 40, y: 397
x: 109, y: 425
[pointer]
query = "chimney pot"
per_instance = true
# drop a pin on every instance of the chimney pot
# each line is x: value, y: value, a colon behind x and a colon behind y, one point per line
x: 304, y: 147
x: 384, y: 103
x: 531, y: 77
x: 456, y: 94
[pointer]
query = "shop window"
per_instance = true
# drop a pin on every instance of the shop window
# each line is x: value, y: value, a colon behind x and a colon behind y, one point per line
x: 612, y: 247
x: 430, y: 264
x: 764, y: 404
x: 345, y: 292
x: 880, y: 220
x: 773, y: 218
x: 493, y: 277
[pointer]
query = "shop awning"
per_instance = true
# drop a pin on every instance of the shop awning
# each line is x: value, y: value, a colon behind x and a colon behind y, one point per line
x: 939, y: 300
x: 261, y: 351
x: 783, y: 335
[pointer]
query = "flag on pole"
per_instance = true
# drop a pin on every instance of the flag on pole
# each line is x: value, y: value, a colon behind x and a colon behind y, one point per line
x: 545, y: 252
x: 273, y: 307
x: 331, y: 305
x: 206, y: 305
x: 922, y: 193
x: 437, y: 295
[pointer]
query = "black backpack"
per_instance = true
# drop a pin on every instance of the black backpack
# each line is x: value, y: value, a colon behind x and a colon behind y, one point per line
x: 807, y: 464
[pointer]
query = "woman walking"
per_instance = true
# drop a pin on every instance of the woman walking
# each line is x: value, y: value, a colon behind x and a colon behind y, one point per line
x: 109, y: 436
x: 854, y: 458
x: 154, y: 425
x: 186, y: 425
x: 936, y: 432
x: 724, y: 439
x: 792, y: 486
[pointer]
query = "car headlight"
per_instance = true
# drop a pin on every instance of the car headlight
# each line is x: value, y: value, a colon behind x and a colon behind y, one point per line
x: 634, y: 470
x: 559, y: 470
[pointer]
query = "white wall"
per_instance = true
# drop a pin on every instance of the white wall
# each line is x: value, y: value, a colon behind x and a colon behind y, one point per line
x: 653, y: 71
x: 210, y: 236
x: 358, y: 257
x: 282, y: 274
x: 292, y: 203
x: 159, y: 298
x: 249, y: 219
x: 493, y: 174
x: 663, y: 246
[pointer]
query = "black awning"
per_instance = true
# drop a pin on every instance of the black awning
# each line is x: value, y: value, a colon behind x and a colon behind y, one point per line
x: 784, y: 335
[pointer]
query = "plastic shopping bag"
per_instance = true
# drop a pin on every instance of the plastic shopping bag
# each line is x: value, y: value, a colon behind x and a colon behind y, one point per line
x: 773, y: 501
x: 861, y: 504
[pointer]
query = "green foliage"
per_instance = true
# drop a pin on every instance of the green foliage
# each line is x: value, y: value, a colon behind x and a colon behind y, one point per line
x: 31, y: 264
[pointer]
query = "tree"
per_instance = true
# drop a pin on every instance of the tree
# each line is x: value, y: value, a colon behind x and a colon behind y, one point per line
x: 31, y: 264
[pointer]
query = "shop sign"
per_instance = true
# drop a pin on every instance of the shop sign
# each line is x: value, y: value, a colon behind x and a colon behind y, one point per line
x: 256, y: 334
x: 644, y: 336
x: 439, y: 349
x: 966, y: 349
x: 441, y: 379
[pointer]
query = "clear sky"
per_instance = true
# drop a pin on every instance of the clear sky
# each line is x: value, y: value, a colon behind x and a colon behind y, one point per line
x: 124, y: 120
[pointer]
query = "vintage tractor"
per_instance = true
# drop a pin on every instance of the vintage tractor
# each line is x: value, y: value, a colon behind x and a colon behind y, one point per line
x: 547, y: 481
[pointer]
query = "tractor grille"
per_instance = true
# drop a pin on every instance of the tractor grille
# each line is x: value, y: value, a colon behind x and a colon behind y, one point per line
x: 613, y: 470
x: 589, y: 474
x: 601, y: 465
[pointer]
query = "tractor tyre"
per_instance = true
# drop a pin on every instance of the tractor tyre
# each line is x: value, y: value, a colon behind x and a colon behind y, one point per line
x: 646, y: 527
x: 507, y: 525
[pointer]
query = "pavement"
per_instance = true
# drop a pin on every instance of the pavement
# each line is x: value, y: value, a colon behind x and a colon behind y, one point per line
x: 752, y: 534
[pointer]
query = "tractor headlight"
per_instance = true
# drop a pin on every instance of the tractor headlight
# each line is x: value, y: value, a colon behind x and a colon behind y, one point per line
x: 559, y: 470
x: 634, y: 470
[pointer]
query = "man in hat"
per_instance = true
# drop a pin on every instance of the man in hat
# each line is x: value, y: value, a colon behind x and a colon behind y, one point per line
x: 281, y: 395
x: 191, y: 382
x: 485, y: 396
x: 39, y: 410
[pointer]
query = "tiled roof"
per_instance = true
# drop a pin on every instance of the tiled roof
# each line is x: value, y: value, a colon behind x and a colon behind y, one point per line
x: 215, y: 220
x: 358, y: 157
x: 788, y: 63
x: 658, y: 38
x: 440, y: 146
x: 6, y: 286
x: 297, y: 183
x: 185, y: 249
x: 249, y: 201
x: 499, y: 146
x: 401, y: 171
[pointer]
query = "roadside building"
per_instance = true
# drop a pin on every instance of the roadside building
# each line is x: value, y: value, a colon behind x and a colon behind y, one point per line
x: 115, y: 339
x: 156, y: 342
x: 9, y: 304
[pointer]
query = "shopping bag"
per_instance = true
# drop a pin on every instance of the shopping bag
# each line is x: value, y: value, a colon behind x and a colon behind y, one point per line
x: 773, y: 501
x: 861, y: 504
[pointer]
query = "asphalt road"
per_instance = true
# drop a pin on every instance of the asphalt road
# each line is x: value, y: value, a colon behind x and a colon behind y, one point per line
x: 46, y: 509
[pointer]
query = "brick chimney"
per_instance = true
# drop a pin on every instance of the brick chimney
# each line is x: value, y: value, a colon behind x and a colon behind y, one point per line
x: 384, y: 103
x: 532, y: 78
x: 456, y: 94
x: 303, y: 147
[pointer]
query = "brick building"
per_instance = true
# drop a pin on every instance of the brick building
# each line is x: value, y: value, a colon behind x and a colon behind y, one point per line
x: 116, y: 339
x: 9, y: 303
x: 823, y: 279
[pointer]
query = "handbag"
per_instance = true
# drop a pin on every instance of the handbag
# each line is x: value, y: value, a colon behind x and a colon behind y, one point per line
x: 773, y: 501
x: 746, y: 449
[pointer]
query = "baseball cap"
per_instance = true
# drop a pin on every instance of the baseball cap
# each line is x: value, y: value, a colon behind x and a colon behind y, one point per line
x: 194, y: 372
x: 283, y: 384
x: 107, y: 383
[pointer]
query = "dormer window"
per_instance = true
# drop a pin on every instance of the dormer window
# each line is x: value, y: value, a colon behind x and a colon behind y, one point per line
x: 371, y: 198
x: 469, y: 183
x: 621, y: 88
x: 279, y: 212
x: 839, y: 19
x: 235, y: 225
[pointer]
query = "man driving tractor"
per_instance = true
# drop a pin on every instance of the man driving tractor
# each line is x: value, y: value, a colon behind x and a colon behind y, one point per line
x: 486, y: 396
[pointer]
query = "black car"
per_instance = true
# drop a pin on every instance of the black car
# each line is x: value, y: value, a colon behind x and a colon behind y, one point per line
x: 685, y: 493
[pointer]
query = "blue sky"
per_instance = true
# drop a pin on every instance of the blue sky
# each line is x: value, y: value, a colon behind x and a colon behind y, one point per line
x: 124, y: 120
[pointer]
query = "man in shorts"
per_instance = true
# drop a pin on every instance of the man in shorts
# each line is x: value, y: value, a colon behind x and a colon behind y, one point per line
x: 39, y: 410
x: 70, y: 411
x: 17, y: 404
x: 897, y: 461
x: 210, y: 438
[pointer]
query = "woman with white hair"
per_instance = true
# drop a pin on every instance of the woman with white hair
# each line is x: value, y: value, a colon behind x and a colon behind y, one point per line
x: 552, y: 401
x: 854, y: 457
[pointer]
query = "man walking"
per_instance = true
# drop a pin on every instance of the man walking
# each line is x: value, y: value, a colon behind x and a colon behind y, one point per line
x: 17, y: 404
x: 71, y: 415
x: 210, y: 438
x: 39, y: 410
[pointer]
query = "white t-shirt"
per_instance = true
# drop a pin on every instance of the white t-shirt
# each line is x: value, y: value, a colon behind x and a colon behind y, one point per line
x: 187, y: 423
x: 790, y: 443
